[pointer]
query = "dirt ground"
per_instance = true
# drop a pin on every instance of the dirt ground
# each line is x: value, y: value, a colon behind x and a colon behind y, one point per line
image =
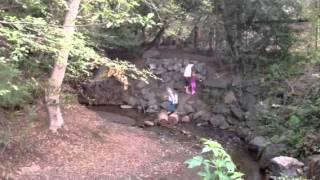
x: 97, y: 148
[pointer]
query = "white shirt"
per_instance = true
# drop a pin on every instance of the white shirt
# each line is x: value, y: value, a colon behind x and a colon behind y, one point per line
x: 173, y: 98
x: 188, y: 70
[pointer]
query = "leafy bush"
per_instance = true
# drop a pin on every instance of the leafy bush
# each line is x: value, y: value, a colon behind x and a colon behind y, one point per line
x: 286, y: 67
x: 13, y: 90
x: 296, y: 126
x: 219, y: 167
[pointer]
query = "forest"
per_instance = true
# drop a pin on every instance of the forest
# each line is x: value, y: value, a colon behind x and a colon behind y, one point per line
x: 85, y: 87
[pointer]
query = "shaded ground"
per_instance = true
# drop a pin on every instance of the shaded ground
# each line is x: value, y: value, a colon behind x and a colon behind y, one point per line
x: 100, y: 144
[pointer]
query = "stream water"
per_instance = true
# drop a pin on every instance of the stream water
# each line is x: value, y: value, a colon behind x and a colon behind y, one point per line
x: 231, y: 142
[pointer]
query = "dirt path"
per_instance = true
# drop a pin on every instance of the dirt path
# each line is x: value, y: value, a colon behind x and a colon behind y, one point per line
x: 97, y: 148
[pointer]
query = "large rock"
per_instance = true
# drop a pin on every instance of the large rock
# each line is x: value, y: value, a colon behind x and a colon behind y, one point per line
x: 217, y: 83
x: 149, y: 123
x: 150, y: 54
x: 153, y: 108
x: 313, y: 167
x: 257, y: 146
x: 247, y: 101
x: 251, y: 115
x: 201, y: 68
x: 254, y: 90
x: 159, y: 70
x: 130, y: 100
x: 219, y: 121
x: 147, y: 94
x: 285, y: 166
x: 236, y: 81
x: 221, y: 109
x: 230, y: 98
x: 246, y: 134
x: 186, y: 119
x: 202, y: 115
x: 188, y: 108
x: 198, y: 105
x: 164, y: 105
x: 141, y: 84
x: 184, y: 107
x: 104, y: 92
x: 237, y: 112
x: 271, y: 151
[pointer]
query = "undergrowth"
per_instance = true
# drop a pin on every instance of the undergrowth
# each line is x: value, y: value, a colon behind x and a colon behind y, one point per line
x: 296, y: 126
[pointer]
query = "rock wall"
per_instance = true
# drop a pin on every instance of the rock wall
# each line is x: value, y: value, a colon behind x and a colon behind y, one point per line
x: 149, y: 98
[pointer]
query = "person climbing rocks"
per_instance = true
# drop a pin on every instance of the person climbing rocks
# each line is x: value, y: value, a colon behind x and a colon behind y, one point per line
x: 187, y: 76
x: 173, y: 100
x: 193, y: 83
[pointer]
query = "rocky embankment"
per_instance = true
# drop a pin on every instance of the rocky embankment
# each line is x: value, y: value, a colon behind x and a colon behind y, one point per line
x: 224, y: 101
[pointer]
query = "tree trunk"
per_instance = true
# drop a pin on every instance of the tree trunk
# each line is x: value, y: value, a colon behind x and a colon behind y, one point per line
x: 211, y: 34
x: 59, y: 69
x: 195, y: 37
x: 155, y: 42
x: 317, y: 27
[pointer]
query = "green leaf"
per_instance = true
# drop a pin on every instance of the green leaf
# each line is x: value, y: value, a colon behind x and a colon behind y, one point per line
x: 194, y: 162
x: 237, y: 176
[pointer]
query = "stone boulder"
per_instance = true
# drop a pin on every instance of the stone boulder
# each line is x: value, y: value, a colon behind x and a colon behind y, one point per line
x: 271, y: 151
x: 103, y: 92
x: 313, y: 167
x: 149, y: 123
x: 257, y: 146
x: 247, y: 101
x: 164, y: 105
x: 237, y: 112
x: 150, y: 54
x: 221, y: 108
x: 285, y: 166
x: 130, y: 100
x: 230, y: 98
x: 186, y: 119
x: 202, y: 115
x: 153, y: 108
x: 217, y: 83
x: 219, y: 121
x: 201, y: 68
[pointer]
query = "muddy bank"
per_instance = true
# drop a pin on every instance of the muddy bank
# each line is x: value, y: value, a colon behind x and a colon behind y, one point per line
x: 191, y: 133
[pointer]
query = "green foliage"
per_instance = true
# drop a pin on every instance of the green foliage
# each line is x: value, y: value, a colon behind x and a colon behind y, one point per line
x: 296, y: 126
x: 13, y: 90
x: 218, y: 167
x: 288, y: 66
x: 30, y: 41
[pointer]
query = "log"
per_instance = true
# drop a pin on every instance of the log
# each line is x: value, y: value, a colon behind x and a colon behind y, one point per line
x: 173, y: 119
x: 163, y: 117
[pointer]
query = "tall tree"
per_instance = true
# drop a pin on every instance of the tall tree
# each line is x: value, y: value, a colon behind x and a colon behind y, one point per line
x: 58, y: 73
